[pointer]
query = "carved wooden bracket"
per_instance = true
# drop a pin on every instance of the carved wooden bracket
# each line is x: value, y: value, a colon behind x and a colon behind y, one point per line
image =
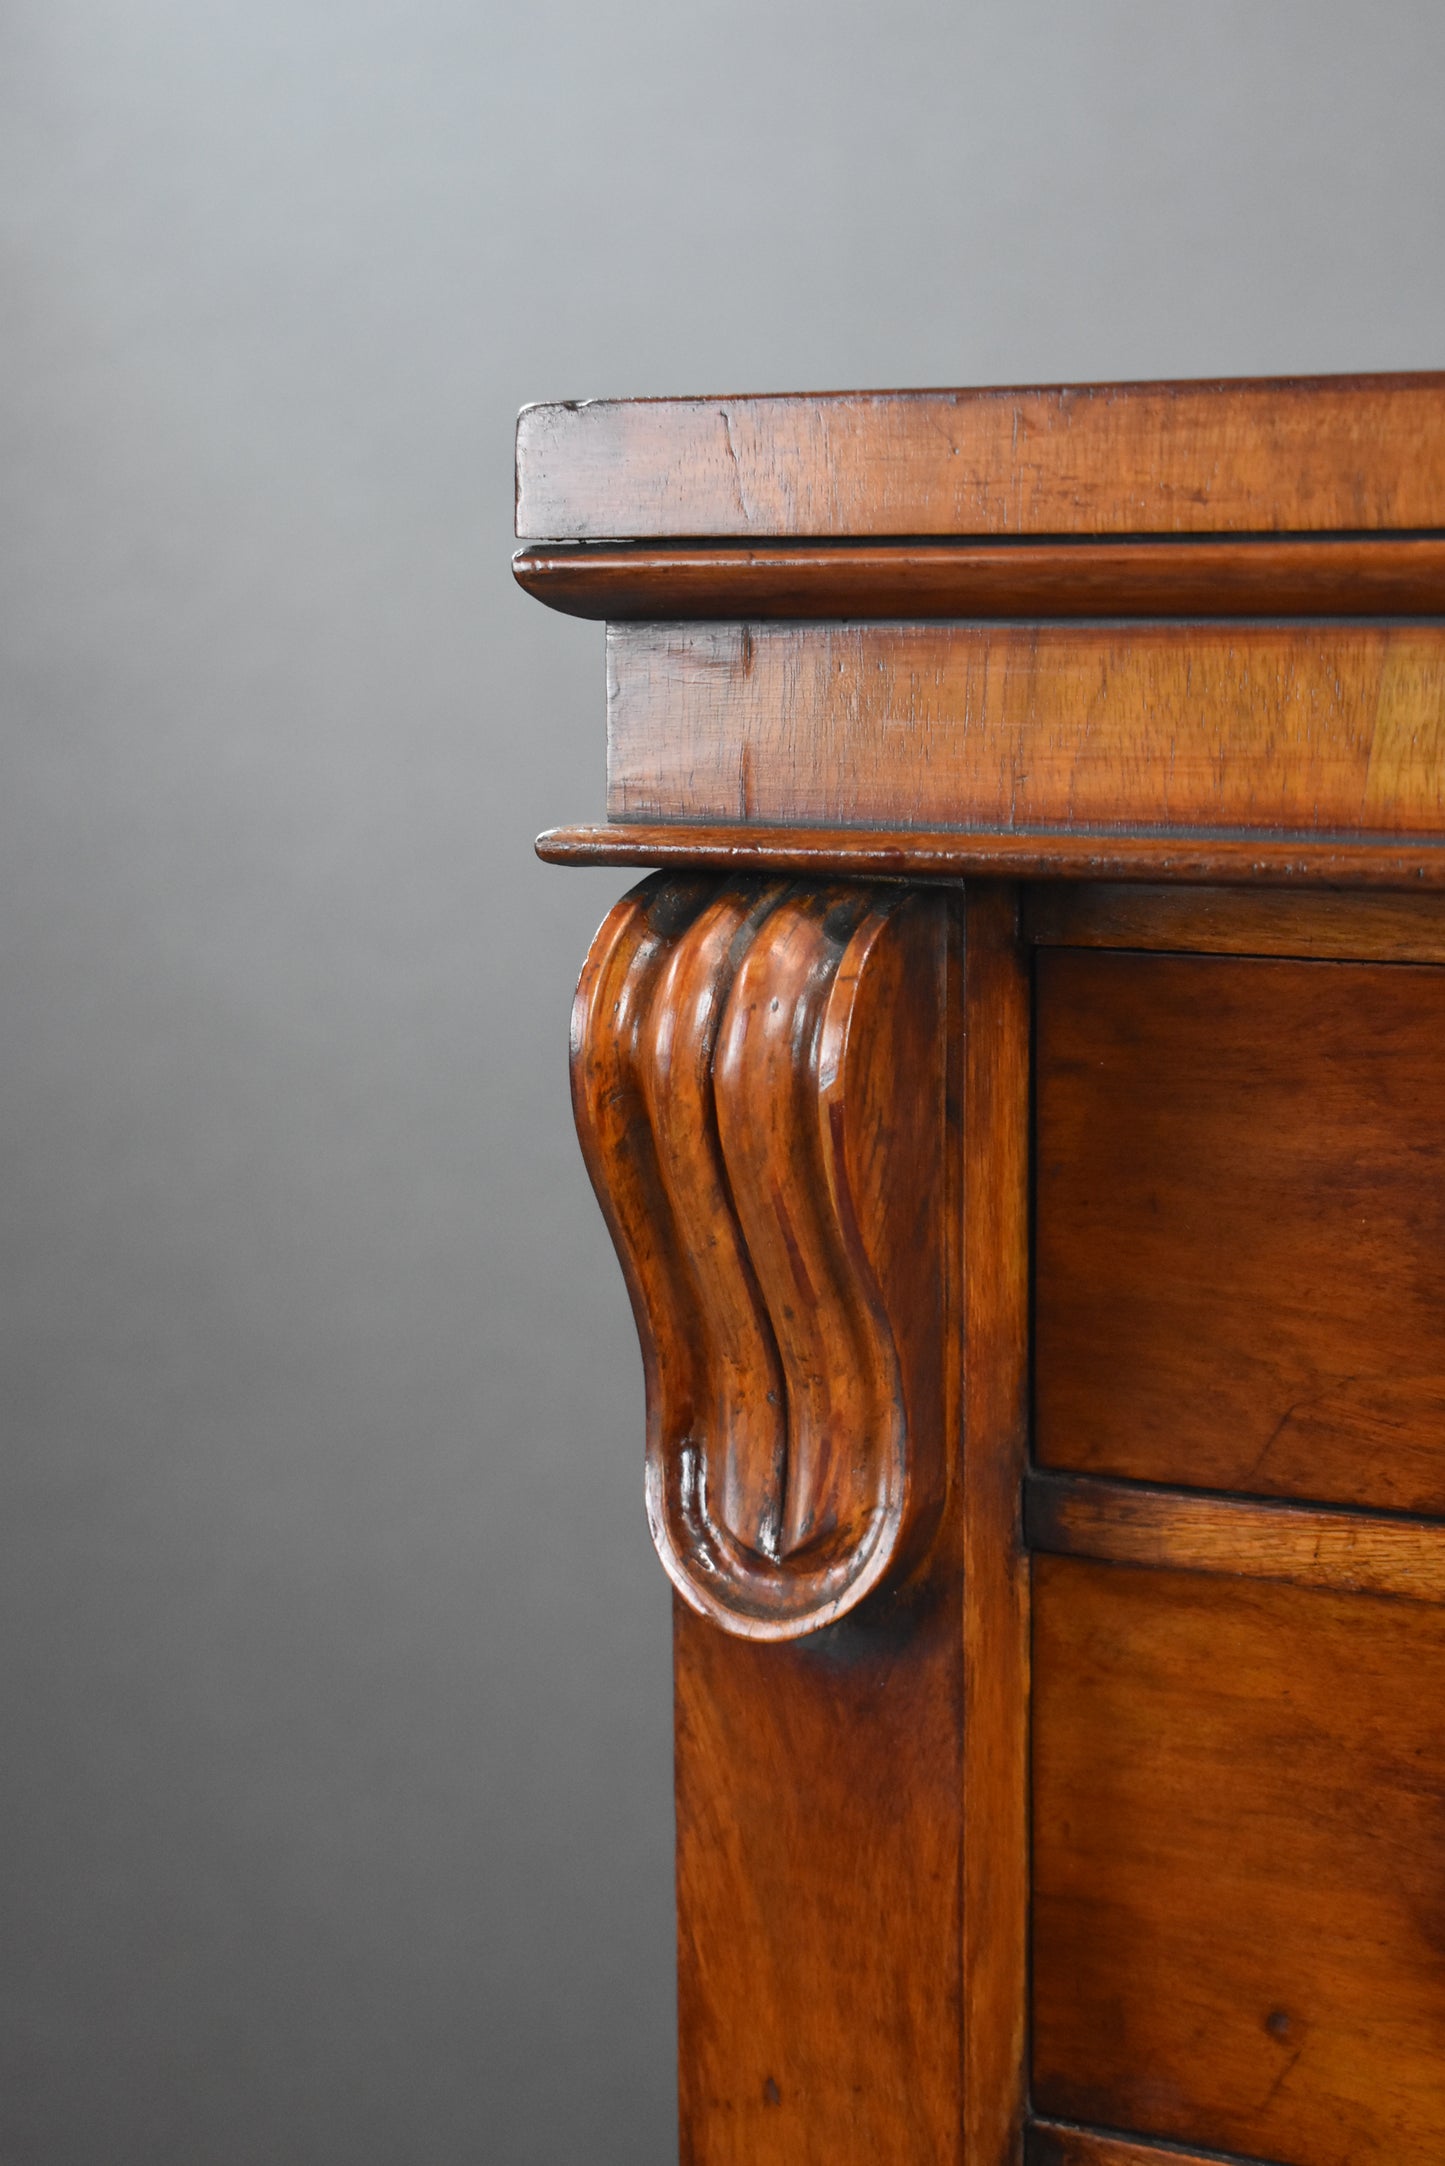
x: 758, y: 1073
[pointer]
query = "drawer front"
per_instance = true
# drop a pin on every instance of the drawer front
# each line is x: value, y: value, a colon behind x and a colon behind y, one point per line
x: 1240, y: 1235
x: 1239, y: 1865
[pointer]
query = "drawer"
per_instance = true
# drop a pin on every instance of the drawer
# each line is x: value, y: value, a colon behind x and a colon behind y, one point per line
x: 1240, y: 1224
x: 1239, y: 1865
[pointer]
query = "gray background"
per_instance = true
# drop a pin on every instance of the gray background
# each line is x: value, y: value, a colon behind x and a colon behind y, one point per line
x: 334, y: 1787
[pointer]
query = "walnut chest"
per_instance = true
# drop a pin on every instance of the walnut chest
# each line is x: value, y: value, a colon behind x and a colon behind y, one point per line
x: 1017, y: 1097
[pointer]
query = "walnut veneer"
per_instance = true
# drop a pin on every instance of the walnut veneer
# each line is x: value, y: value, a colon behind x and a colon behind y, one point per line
x: 1018, y: 1101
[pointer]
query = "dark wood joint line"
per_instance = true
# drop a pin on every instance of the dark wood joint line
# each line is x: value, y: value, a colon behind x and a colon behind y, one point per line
x: 758, y: 1080
x: 1062, y: 2143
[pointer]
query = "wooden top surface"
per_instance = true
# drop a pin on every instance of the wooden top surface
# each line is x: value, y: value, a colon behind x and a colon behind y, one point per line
x: 1361, y: 454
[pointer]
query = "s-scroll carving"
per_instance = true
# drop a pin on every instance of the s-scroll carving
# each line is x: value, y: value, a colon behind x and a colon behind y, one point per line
x: 758, y: 1078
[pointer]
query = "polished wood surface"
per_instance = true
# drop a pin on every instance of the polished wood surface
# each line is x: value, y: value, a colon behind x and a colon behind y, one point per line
x: 1325, y: 728
x: 1290, y: 455
x: 1240, y: 1224
x: 1348, y: 1552
x: 994, y: 1277
x: 853, y: 1944
x: 1306, y: 576
x: 1238, y: 921
x: 1239, y: 1879
x: 923, y: 854
x: 771, y: 1182
x: 819, y: 1839
x: 1051, y: 2143
x: 1040, y: 999
x: 820, y: 1829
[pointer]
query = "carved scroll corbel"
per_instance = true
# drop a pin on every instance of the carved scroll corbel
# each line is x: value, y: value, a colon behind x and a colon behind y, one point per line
x: 758, y: 1078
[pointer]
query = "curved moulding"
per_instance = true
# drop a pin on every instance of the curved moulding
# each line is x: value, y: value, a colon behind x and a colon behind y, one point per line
x: 758, y: 1078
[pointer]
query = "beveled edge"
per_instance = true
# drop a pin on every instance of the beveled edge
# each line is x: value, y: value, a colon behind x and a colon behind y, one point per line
x: 1196, y: 857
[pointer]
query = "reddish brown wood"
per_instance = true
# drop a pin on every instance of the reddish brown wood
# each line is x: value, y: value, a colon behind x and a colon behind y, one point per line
x: 1240, y: 1224
x: 1238, y: 921
x: 852, y: 1824
x: 1078, y: 1515
x: 820, y: 1831
x: 1334, y: 575
x: 995, y: 1241
x: 1050, y: 2143
x: 951, y: 855
x: 771, y: 1184
x: 1239, y: 1882
x: 1289, y: 455
x: 1318, y: 729
x: 958, y: 641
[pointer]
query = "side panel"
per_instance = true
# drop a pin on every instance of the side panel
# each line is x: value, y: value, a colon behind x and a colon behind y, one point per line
x: 818, y: 1884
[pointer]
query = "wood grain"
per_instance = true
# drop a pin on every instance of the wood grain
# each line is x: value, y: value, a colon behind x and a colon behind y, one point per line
x: 916, y: 854
x: 995, y: 1283
x: 819, y: 1832
x: 1310, y: 728
x: 1051, y: 2143
x: 1237, y: 921
x: 820, y: 1828
x: 1239, y: 1892
x: 772, y: 1189
x: 1336, y: 575
x: 1079, y: 1515
x: 1178, y: 652
x: 1240, y: 1225
x: 1289, y: 455
x: 852, y: 1810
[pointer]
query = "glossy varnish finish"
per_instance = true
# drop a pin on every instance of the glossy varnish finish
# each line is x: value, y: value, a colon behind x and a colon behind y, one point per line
x: 1337, y: 927
x: 1240, y: 1224
x: 1239, y: 1872
x: 852, y: 1831
x: 1051, y: 2143
x: 1306, y: 728
x: 1054, y: 856
x: 1163, y: 458
x: 1374, y: 575
x: 770, y: 1179
x: 819, y: 1840
x: 1111, y: 1784
x: 1348, y: 1552
x: 993, y: 1454
x: 820, y: 1833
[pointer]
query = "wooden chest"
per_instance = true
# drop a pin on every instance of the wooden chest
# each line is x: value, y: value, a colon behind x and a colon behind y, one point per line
x: 1018, y: 1101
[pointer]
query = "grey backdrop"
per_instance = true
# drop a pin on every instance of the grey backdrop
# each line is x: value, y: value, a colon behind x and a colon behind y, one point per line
x: 334, y: 1664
